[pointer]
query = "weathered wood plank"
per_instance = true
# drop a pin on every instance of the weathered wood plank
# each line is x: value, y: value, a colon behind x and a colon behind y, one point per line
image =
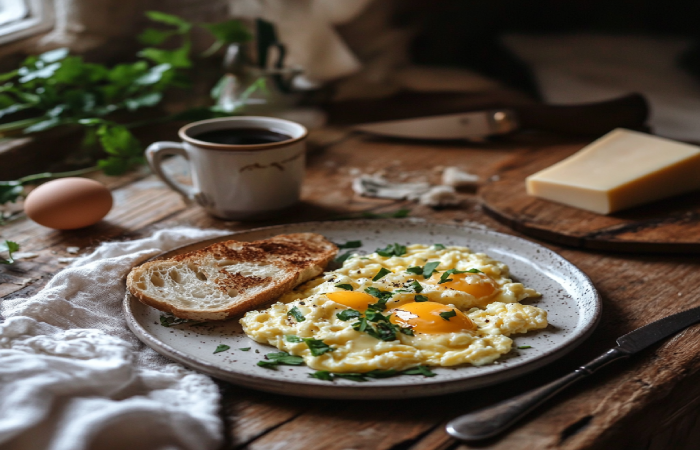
x: 669, y: 225
x: 621, y: 402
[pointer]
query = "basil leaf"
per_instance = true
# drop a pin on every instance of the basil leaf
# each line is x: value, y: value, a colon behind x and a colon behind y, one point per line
x: 407, y: 331
x: 292, y: 338
x: 268, y: 364
x: 221, y: 348
x: 429, y: 268
x: 474, y: 271
x: 417, y: 287
x: 350, y: 244
x: 347, y: 287
x: 419, y: 370
x: 317, y: 346
x: 421, y: 298
x: 244, y: 349
x: 439, y: 247
x: 322, y: 375
x: 294, y: 312
x: 448, y: 314
x: 381, y: 274
x: 523, y: 347
x: 285, y: 358
x: 348, y: 314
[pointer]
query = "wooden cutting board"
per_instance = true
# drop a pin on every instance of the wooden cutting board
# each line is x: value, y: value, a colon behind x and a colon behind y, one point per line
x: 668, y: 226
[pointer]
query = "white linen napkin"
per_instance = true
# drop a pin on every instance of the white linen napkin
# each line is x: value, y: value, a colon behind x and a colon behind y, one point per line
x: 74, y: 377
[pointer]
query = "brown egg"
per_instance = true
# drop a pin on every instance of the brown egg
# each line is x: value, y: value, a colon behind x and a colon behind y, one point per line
x: 68, y: 203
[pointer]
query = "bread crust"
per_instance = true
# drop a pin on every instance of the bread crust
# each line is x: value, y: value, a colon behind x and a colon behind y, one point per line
x: 298, y: 257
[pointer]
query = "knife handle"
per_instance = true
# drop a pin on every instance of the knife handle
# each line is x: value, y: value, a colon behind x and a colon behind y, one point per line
x: 490, y: 421
x: 630, y: 111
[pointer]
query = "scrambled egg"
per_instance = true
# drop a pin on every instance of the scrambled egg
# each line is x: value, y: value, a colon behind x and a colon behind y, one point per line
x: 399, y: 308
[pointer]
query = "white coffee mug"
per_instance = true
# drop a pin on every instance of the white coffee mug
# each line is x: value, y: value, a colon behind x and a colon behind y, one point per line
x: 238, y: 182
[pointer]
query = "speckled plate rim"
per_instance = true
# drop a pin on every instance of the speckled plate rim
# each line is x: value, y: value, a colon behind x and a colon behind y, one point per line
x: 423, y: 388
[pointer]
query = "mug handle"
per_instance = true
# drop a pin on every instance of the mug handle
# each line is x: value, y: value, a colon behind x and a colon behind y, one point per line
x: 155, y: 154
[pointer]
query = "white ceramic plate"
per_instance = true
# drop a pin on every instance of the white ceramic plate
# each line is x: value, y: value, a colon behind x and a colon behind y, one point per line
x: 568, y: 296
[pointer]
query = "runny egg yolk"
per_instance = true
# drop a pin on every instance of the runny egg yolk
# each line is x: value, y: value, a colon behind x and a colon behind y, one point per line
x: 352, y: 299
x: 479, y: 285
x: 424, y: 317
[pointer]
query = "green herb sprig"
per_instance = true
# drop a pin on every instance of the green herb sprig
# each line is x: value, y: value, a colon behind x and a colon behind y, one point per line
x: 57, y: 89
x: 374, y: 374
x: 280, y: 358
x: 9, y: 247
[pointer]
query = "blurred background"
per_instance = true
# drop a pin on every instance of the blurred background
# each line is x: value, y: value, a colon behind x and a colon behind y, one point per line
x: 551, y: 51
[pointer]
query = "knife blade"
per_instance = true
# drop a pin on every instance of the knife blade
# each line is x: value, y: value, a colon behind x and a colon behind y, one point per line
x: 590, y: 119
x: 470, y: 126
x: 654, y: 332
x: 493, y: 420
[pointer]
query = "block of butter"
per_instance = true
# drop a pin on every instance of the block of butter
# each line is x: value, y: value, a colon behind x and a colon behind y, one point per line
x: 620, y: 170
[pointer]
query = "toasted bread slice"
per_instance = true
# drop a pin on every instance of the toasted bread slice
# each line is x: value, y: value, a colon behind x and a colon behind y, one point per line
x: 232, y: 277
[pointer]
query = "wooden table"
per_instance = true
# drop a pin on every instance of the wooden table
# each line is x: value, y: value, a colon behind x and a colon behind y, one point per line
x: 649, y: 402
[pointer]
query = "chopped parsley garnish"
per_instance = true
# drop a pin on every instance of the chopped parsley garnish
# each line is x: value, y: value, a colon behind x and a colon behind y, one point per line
x: 244, y: 349
x: 347, y: 287
x: 274, y: 359
x: 322, y: 375
x: 429, y: 268
x: 419, y: 370
x: 361, y: 377
x: 374, y: 292
x: 361, y: 325
x: 417, y: 287
x: 523, y: 347
x: 439, y: 247
x: 421, y: 298
x: 407, y: 331
x: 221, y: 348
x: 341, y: 259
x: 317, y: 346
x: 381, y: 373
x: 392, y: 250
x: 444, y: 278
x: 348, y: 314
x: 350, y: 244
x: 292, y: 338
x: 168, y: 320
x: 447, y: 314
x: 294, y: 312
x: 268, y: 364
x: 381, y: 274
x: 285, y: 358
x: 416, y: 270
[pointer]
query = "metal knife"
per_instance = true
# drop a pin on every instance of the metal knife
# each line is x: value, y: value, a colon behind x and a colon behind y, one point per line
x: 590, y: 119
x: 491, y: 421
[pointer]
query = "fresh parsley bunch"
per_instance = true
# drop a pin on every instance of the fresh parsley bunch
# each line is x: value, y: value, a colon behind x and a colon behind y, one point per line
x: 57, y: 89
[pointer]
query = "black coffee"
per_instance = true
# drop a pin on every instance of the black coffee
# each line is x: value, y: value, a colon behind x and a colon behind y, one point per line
x: 242, y: 136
